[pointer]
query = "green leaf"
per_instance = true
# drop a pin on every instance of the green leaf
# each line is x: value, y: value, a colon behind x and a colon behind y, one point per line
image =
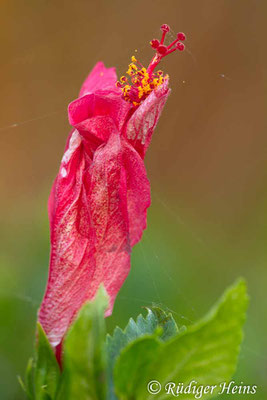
x: 136, y: 361
x: 22, y: 384
x: 29, y: 379
x: 206, y: 353
x: 156, y: 320
x: 163, y: 320
x: 47, y: 371
x: 28, y: 386
x: 84, y: 354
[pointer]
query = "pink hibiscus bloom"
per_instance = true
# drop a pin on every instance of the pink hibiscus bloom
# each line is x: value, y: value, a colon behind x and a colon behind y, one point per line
x: 99, y: 200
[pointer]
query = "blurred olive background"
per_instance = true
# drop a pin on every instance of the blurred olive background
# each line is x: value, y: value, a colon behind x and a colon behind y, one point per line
x: 207, y: 162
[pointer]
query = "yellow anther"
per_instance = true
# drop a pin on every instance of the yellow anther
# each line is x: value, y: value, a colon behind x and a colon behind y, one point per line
x: 144, y: 82
x: 140, y: 92
x: 141, y: 83
x: 126, y: 88
x: 133, y: 66
x: 132, y: 69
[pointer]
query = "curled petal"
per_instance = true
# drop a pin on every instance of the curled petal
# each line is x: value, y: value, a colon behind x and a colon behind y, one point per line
x: 71, y: 261
x: 142, y: 123
x: 104, y: 103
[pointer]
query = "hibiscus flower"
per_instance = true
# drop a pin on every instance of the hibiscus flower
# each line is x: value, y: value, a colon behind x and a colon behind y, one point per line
x: 99, y: 200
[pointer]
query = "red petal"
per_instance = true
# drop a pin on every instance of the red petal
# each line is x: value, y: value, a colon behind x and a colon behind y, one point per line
x: 138, y: 192
x: 93, y: 113
x: 108, y: 204
x: 89, y: 233
x: 99, y: 78
x: 141, y: 125
x: 70, y: 245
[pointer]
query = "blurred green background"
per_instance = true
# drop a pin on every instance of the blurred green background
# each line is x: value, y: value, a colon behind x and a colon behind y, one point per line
x: 207, y: 162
